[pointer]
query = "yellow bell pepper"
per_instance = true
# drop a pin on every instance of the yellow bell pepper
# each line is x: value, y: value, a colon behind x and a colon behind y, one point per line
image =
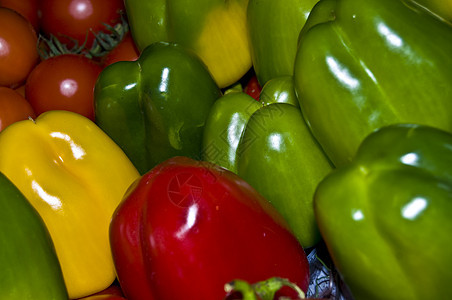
x: 75, y: 176
x: 216, y: 30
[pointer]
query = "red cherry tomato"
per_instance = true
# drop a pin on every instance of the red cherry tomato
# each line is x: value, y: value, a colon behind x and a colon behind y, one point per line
x: 13, y: 107
x: 18, y: 53
x: 63, y: 82
x: 253, y: 88
x: 27, y: 8
x: 77, y: 18
x: 125, y: 51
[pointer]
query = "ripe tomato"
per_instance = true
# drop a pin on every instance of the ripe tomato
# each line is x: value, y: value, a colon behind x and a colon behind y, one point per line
x: 21, y: 90
x: 76, y: 18
x: 253, y: 88
x: 18, y: 53
x: 125, y: 51
x: 13, y: 107
x: 27, y: 8
x: 63, y: 82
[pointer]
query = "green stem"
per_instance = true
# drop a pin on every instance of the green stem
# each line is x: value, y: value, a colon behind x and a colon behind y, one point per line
x: 263, y: 290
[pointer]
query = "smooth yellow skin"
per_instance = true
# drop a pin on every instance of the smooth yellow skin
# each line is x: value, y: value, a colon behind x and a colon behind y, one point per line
x: 216, y: 30
x: 75, y: 176
x: 222, y: 44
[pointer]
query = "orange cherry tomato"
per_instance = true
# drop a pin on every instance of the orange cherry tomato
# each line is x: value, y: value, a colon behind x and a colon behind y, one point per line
x: 27, y: 8
x: 18, y: 52
x: 13, y: 107
x: 21, y: 90
x: 63, y: 82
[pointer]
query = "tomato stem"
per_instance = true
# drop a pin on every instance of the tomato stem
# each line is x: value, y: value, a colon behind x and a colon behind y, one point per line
x: 103, y: 42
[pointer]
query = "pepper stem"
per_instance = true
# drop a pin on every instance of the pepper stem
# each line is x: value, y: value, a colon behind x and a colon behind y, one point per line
x: 262, y: 290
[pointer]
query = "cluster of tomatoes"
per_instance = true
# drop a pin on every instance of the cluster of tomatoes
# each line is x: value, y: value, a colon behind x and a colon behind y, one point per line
x: 52, y: 51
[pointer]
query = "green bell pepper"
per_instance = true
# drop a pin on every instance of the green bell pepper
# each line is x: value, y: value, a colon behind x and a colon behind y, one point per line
x: 269, y: 146
x: 156, y: 107
x: 442, y: 8
x: 229, y: 115
x: 224, y: 127
x: 29, y: 264
x: 214, y: 29
x: 385, y: 217
x: 279, y: 89
x: 273, y: 27
x: 362, y: 65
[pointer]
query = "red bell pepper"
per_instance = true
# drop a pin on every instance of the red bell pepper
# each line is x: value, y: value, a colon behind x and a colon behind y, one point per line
x: 187, y: 228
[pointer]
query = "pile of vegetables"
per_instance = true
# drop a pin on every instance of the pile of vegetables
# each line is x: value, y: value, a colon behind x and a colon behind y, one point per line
x: 238, y: 149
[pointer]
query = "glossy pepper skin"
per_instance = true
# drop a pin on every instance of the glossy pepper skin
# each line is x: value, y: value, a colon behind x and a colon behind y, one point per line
x: 280, y: 158
x: 187, y: 228
x: 279, y: 90
x: 225, y: 126
x: 385, y: 216
x: 214, y: 29
x: 270, y: 146
x: 29, y: 265
x: 229, y: 115
x: 363, y: 65
x: 155, y: 108
x: 74, y: 175
x: 441, y: 7
x: 273, y: 27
